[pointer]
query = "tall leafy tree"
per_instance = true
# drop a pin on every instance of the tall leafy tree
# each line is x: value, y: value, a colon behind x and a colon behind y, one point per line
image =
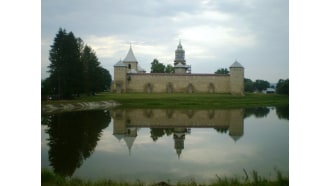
x: 105, y: 81
x: 91, y: 69
x: 65, y: 68
x: 74, y: 68
x: 261, y: 85
x: 96, y: 78
x: 248, y: 85
x: 282, y: 86
x: 157, y: 67
x: 169, y: 69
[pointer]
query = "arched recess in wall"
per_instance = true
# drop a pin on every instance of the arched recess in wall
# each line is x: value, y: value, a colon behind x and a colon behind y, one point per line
x: 169, y: 113
x: 169, y: 87
x: 211, y: 88
x: 190, y: 88
x: 148, y: 113
x: 210, y: 114
x: 148, y: 88
x: 190, y: 113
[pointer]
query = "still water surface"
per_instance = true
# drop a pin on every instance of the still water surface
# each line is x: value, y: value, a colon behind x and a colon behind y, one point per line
x: 159, y: 145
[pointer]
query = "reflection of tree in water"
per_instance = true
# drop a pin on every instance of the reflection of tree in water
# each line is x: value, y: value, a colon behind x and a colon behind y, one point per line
x: 222, y: 129
x: 73, y: 137
x: 160, y: 132
x: 258, y: 112
x: 283, y: 112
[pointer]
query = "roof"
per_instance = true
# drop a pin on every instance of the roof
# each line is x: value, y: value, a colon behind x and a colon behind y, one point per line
x: 236, y: 65
x: 235, y: 138
x: 129, y: 142
x: 119, y: 136
x: 120, y: 64
x: 130, y: 56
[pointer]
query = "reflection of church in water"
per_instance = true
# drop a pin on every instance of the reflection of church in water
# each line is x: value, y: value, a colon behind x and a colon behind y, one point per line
x: 126, y: 123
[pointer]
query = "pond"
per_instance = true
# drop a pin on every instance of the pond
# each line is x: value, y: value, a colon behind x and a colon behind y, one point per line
x: 155, y: 145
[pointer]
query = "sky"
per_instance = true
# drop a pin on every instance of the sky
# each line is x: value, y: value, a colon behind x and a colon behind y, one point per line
x: 213, y: 33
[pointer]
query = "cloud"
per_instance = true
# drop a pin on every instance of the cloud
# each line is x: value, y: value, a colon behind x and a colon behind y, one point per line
x: 213, y: 32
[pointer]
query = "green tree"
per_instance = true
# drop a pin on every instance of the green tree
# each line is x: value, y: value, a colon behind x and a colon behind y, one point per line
x: 282, y: 87
x: 169, y: 69
x: 222, y: 71
x: 74, y: 68
x: 157, y: 67
x: 65, y: 68
x: 248, y: 85
x: 105, y: 79
x: 261, y: 85
x: 92, y: 73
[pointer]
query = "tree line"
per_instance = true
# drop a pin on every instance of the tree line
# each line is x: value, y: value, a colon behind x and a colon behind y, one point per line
x: 282, y: 86
x: 74, y: 69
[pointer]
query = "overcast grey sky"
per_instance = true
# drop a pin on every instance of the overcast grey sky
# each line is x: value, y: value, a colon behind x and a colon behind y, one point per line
x: 214, y: 33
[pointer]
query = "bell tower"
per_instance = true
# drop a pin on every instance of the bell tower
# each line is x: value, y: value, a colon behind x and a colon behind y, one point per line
x: 179, y: 55
x: 180, y: 66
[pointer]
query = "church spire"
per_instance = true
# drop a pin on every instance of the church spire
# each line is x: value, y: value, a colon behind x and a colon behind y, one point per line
x: 130, y: 55
x: 180, y: 46
x: 179, y: 55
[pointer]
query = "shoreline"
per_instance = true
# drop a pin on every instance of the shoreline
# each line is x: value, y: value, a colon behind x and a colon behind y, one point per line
x: 49, y: 108
x: 166, y: 101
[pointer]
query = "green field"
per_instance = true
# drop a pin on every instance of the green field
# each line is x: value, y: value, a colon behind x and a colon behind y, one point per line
x: 178, y: 100
x: 49, y: 178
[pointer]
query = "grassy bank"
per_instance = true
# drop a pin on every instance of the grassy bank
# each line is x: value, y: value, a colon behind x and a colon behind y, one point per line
x: 48, y: 178
x: 141, y: 100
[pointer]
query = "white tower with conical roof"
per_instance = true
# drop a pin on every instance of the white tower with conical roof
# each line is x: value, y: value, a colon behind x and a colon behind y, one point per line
x: 130, y: 61
x: 236, y: 78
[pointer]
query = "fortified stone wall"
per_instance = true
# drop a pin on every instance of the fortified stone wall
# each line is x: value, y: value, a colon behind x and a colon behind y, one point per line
x: 186, y: 83
x: 125, y: 80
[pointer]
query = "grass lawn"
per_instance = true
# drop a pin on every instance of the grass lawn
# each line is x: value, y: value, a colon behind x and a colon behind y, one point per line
x: 49, y: 178
x: 182, y: 100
